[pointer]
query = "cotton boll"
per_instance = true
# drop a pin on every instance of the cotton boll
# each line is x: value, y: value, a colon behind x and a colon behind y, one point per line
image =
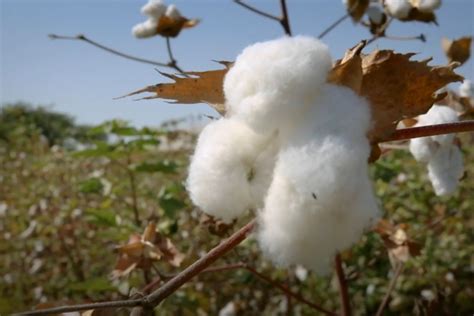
x: 273, y: 83
x: 423, y: 148
x: 445, y: 169
x: 466, y: 89
x: 375, y: 13
x: 172, y: 12
x: 439, y: 114
x: 154, y: 9
x: 231, y: 169
x: 398, y: 8
x: 321, y: 198
x: 145, y: 29
x: 427, y: 5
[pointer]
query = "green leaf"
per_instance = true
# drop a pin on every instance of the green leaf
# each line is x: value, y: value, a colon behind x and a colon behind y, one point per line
x: 101, y: 217
x: 165, y: 166
x: 92, y: 185
x: 92, y: 285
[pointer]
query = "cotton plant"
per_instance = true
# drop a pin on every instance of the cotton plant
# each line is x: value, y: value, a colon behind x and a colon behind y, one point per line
x: 288, y: 150
x: 401, y: 9
x: 440, y: 152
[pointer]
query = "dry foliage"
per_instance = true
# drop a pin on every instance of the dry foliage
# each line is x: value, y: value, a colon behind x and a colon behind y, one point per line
x: 457, y: 50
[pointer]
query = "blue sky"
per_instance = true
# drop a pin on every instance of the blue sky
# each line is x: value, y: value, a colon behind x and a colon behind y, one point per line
x: 81, y: 80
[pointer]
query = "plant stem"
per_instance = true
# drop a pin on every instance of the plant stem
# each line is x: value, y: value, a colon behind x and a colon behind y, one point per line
x: 431, y: 130
x: 391, y: 286
x: 333, y: 25
x: 343, y: 288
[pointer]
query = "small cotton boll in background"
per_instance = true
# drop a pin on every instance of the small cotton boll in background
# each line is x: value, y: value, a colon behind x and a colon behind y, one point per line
x: 154, y: 9
x: 231, y: 169
x: 145, y: 29
x: 422, y: 148
x: 273, y: 83
x: 439, y: 114
x: 426, y: 5
x: 172, y: 12
x: 466, y: 89
x: 321, y: 198
x: 398, y: 8
x: 444, y: 158
x: 445, y: 169
x: 375, y: 13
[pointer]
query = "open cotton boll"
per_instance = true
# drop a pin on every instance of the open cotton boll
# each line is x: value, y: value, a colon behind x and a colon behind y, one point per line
x: 398, y: 8
x: 439, y: 114
x: 172, y: 12
x: 445, y: 169
x: 231, y: 169
x: 145, y: 29
x: 321, y: 198
x: 273, y: 83
x: 154, y: 9
x: 427, y: 5
x: 466, y: 89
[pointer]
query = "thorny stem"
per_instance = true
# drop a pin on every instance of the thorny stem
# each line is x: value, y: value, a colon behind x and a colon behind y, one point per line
x: 343, y: 288
x: 391, y: 286
x: 283, y: 20
x: 81, y: 37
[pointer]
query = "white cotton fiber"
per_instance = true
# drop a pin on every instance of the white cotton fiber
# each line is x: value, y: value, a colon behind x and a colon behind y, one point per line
x: 321, y: 198
x: 154, y: 9
x: 145, y: 29
x: 273, y: 83
x: 172, y: 12
x: 445, y: 169
x: 398, y: 8
x: 427, y: 5
x: 231, y: 169
x: 444, y: 158
x: 466, y: 89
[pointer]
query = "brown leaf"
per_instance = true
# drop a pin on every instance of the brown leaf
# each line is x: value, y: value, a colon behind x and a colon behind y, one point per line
x: 417, y: 15
x: 399, y: 88
x: 457, y: 50
x: 357, y: 8
x: 199, y: 87
x: 399, y: 246
x: 348, y: 71
x: 169, y: 27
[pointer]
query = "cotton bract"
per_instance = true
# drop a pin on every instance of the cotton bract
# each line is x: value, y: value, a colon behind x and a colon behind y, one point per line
x: 443, y: 157
x: 231, y: 169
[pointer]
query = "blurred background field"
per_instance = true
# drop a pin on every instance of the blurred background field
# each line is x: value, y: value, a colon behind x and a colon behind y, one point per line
x: 70, y: 194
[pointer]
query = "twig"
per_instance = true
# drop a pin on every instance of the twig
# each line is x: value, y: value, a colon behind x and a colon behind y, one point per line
x: 431, y: 130
x: 133, y: 188
x: 283, y: 20
x: 343, y: 289
x: 333, y: 25
x: 420, y: 37
x: 83, y: 38
x: 288, y: 292
x: 391, y: 286
x: 173, y: 63
x: 83, y: 307
x: 194, y: 269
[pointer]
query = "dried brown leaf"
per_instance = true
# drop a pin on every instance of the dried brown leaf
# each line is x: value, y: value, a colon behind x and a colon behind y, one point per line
x: 458, y: 50
x: 199, y: 87
x: 357, y: 8
x: 348, y: 71
x: 399, y: 246
x: 399, y: 88
x: 420, y: 16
